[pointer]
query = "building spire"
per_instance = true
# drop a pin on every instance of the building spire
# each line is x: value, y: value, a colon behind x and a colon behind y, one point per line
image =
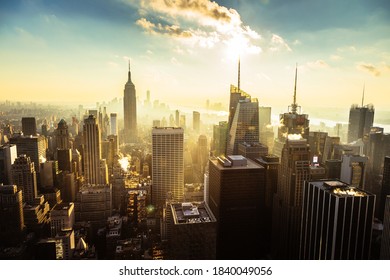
x: 129, y: 74
x: 239, y: 70
x: 294, y: 106
x: 364, y: 86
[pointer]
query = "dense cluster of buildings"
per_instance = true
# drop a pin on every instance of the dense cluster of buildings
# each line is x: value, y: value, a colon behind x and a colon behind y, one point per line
x: 97, y: 189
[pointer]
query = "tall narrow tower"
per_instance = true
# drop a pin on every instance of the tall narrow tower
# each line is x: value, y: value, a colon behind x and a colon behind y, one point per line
x: 24, y: 177
x: 168, y: 164
x: 92, y: 153
x: 130, y: 111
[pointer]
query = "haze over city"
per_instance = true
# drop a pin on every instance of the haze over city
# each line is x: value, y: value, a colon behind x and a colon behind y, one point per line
x: 185, y: 52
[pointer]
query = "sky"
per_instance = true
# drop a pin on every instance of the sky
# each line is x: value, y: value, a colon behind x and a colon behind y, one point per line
x: 186, y: 52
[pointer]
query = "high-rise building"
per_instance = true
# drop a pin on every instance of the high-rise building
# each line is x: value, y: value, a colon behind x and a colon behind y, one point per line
x: 385, y: 242
x: 192, y: 231
x: 130, y: 111
x: 167, y: 164
x: 385, y: 188
x: 94, y: 204
x: 287, y: 205
x: 203, y: 153
x: 236, y: 196
x: 317, y: 140
x: 220, y: 138
x: 177, y: 118
x: 329, y: 148
x: 291, y: 123
x: 62, y: 135
x: 337, y: 221
x: 252, y: 150
x: 11, y: 214
x: 64, y: 158
x: 31, y: 146
x: 92, y: 150
x: 378, y: 148
x: 62, y: 218
x: 244, y: 126
x: 353, y: 170
x: 8, y: 154
x: 113, y: 124
x: 29, y: 126
x: 196, y: 121
x: 360, y: 121
x: 24, y: 177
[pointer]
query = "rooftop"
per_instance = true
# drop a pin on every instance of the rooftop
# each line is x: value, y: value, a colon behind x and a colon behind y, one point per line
x: 341, y: 189
x: 191, y: 213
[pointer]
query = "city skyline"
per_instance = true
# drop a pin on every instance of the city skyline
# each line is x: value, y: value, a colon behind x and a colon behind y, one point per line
x: 57, y: 49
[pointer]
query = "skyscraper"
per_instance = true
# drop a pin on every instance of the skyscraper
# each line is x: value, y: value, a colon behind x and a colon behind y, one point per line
x: 220, y: 138
x: 385, y: 188
x: 236, y: 196
x: 244, y: 126
x: 29, y: 126
x: 62, y: 135
x: 92, y: 150
x: 24, y: 177
x: 167, y: 164
x: 113, y: 124
x: 291, y: 123
x: 196, y: 121
x: 360, y: 121
x: 32, y: 146
x: 11, y: 214
x: 337, y: 221
x: 8, y: 155
x: 130, y: 111
x: 385, y: 243
x: 287, y: 206
x: 353, y: 170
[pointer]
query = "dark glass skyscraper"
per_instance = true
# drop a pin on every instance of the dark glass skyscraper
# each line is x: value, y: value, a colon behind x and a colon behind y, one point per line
x: 337, y: 221
x: 361, y: 120
x: 130, y: 111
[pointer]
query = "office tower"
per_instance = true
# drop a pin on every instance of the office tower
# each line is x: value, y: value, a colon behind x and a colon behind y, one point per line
x: 329, y: 148
x: 92, y: 150
x: 385, y: 243
x: 31, y: 146
x: 245, y: 125
x: 177, y: 118
x: 49, y: 173
x: 337, y: 221
x: 378, y: 147
x: 264, y: 118
x: 182, y: 122
x: 333, y: 168
x: 36, y: 215
x: 68, y: 192
x: 64, y: 158
x: 29, y: 126
x: 167, y: 164
x: 62, y: 218
x: 192, y: 231
x: 353, y: 170
x: 236, y: 196
x: 203, y: 153
x: 220, y: 138
x: 8, y: 155
x: 196, y: 121
x: 11, y: 214
x: 130, y: 111
x: 113, y: 124
x: 252, y: 150
x: 93, y: 204
x: 62, y: 135
x: 24, y: 177
x: 317, y: 140
x: 287, y: 206
x: 271, y: 165
x: 360, y: 121
x: 385, y: 192
x: 291, y: 123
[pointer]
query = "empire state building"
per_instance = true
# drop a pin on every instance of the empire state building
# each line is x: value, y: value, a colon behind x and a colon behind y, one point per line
x: 130, y: 111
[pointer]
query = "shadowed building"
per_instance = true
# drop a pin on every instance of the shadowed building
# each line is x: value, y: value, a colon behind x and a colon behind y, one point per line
x: 337, y: 221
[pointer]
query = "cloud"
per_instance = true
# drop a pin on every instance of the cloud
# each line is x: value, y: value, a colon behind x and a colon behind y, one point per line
x: 278, y: 44
x: 335, y: 57
x: 369, y: 68
x: 203, y: 23
x: 317, y: 64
